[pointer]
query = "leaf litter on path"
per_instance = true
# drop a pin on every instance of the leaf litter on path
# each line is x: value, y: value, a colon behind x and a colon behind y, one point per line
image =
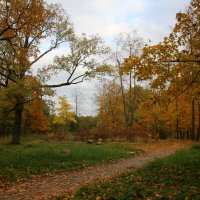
x: 51, y: 185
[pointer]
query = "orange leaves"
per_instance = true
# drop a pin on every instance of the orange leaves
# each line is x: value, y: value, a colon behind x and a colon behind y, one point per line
x: 23, y: 25
x: 39, y: 122
x: 187, y: 29
x: 21, y: 16
x: 176, y: 59
x: 129, y: 64
x: 110, y: 108
x: 36, y: 118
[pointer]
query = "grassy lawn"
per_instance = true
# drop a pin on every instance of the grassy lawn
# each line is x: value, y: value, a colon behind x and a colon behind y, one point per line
x: 34, y: 158
x: 176, y: 177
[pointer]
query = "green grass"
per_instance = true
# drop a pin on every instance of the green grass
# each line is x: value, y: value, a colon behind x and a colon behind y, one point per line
x: 28, y: 159
x: 176, y: 177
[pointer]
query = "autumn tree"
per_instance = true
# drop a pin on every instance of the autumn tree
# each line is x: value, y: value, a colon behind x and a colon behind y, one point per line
x: 29, y: 22
x: 128, y: 45
x: 6, y: 115
x: 110, y: 107
x: 86, y: 128
x: 11, y: 27
x: 110, y: 111
x: 79, y: 63
x: 78, y: 102
x: 172, y: 66
x: 35, y: 117
x: 25, y: 25
x: 64, y: 115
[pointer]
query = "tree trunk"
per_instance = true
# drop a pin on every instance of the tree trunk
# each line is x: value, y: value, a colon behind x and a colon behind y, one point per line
x: 2, y: 129
x: 124, y: 101
x: 177, y: 119
x: 188, y: 134
x: 198, y: 132
x: 155, y: 126
x: 171, y: 132
x: 131, y: 101
x: 183, y: 134
x: 3, y: 123
x: 193, y: 120
x: 17, y: 124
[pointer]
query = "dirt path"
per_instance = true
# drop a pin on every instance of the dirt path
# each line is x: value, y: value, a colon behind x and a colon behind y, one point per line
x: 50, y: 186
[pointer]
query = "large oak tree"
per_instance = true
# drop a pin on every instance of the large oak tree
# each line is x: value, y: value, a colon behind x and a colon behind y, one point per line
x: 24, y: 26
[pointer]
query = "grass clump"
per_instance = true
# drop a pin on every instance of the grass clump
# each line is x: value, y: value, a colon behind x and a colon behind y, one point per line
x: 176, y: 177
x: 29, y: 159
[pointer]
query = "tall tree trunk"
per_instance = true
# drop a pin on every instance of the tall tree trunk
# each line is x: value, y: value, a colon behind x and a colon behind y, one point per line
x: 181, y: 134
x: 4, y: 116
x: 155, y: 127
x: 124, y: 101
x: 2, y: 129
x: 193, y: 120
x: 17, y: 124
x: 130, y: 101
x: 198, y: 132
x: 188, y: 134
x: 171, y: 132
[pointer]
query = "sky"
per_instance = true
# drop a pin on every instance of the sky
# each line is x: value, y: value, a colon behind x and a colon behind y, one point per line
x: 153, y: 20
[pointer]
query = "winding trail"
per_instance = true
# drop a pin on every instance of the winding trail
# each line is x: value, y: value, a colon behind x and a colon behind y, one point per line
x: 48, y: 187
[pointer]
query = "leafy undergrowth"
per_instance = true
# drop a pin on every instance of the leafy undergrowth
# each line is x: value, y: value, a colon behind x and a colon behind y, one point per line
x: 176, y: 177
x: 24, y: 160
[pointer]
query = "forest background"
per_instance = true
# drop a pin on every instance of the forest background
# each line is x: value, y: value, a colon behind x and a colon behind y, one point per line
x: 147, y: 90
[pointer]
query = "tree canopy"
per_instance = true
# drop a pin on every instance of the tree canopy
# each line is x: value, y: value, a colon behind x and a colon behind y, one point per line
x: 152, y: 89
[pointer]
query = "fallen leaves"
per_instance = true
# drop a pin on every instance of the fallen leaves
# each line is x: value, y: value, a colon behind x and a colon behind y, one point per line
x: 55, y: 184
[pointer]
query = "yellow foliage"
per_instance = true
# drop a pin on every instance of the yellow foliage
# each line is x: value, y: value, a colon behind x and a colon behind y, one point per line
x: 64, y: 115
